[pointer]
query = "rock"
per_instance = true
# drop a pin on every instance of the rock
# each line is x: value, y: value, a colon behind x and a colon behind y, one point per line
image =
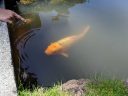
x: 126, y: 83
x: 77, y: 87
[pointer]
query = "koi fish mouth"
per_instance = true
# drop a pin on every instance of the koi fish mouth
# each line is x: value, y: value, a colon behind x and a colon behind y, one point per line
x: 47, y: 52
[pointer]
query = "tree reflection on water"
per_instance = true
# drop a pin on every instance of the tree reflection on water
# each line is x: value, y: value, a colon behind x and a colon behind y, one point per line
x: 49, y: 5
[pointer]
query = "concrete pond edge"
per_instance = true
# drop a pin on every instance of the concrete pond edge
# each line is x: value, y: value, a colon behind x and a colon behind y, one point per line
x: 7, y: 79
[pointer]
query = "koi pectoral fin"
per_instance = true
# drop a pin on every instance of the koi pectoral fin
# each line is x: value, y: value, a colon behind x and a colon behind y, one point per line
x: 65, y: 55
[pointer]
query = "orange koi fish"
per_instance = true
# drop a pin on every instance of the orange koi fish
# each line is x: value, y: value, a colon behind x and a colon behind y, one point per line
x: 61, y: 46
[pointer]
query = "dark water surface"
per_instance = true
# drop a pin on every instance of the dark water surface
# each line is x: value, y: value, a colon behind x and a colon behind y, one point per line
x: 103, y: 50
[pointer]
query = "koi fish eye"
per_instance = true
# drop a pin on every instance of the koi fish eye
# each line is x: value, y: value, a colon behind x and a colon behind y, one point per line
x: 54, y: 46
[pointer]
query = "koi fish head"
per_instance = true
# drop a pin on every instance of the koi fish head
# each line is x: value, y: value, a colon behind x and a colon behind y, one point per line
x: 53, y: 48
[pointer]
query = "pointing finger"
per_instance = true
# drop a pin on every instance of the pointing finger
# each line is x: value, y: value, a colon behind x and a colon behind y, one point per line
x: 19, y: 17
x: 9, y: 21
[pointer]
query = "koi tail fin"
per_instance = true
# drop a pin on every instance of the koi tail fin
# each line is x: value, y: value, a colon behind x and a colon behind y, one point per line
x: 85, y: 31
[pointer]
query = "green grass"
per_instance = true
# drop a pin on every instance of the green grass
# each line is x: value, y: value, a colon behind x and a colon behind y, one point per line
x: 98, y: 87
x: 107, y: 88
x: 53, y: 91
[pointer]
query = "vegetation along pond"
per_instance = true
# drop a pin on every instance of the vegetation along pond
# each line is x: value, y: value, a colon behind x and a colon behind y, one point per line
x: 104, y: 49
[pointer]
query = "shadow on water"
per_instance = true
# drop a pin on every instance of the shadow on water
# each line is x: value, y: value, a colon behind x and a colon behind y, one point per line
x: 102, y: 50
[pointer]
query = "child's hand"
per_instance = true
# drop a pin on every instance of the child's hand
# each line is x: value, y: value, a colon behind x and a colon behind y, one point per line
x: 8, y: 16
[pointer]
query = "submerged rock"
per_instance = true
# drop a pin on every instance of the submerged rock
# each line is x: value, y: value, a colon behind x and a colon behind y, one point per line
x: 77, y: 87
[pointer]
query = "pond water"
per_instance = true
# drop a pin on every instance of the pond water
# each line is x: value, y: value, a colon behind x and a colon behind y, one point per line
x: 103, y: 50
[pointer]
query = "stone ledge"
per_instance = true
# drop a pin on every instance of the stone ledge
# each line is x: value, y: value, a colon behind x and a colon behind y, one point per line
x: 7, y: 80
